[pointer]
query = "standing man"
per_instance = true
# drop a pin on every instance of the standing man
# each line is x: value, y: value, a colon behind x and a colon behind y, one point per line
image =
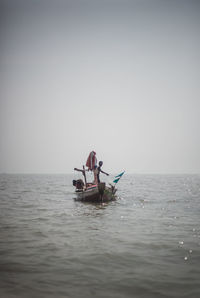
x: 99, y: 170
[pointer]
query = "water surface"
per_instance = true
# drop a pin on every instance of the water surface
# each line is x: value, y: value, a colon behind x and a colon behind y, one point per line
x: 145, y: 244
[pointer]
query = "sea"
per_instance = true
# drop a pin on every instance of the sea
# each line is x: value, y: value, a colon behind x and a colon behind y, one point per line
x: 145, y: 244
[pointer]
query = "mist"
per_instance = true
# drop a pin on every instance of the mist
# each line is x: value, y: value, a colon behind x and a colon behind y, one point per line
x: 117, y: 77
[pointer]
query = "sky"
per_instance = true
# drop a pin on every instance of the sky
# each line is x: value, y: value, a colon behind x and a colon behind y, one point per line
x: 119, y: 77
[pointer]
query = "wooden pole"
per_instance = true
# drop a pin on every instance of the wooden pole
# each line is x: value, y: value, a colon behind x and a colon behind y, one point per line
x: 84, y: 176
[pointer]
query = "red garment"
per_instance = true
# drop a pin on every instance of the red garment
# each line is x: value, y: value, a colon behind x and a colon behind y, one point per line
x: 91, y: 160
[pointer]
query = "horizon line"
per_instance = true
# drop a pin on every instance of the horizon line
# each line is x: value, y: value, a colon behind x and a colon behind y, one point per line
x: 114, y: 173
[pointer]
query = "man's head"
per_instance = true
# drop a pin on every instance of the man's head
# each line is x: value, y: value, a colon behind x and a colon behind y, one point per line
x: 100, y: 163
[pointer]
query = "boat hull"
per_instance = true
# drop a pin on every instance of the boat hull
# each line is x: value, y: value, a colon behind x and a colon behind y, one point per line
x: 96, y: 195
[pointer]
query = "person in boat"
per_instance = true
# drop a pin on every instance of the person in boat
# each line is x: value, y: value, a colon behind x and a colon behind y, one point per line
x: 79, y: 170
x: 83, y: 172
x: 79, y: 184
x: 99, y: 170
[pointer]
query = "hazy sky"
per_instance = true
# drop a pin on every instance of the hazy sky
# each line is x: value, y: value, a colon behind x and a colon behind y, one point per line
x: 115, y: 76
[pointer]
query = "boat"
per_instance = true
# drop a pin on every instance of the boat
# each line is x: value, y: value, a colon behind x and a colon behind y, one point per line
x: 95, y: 193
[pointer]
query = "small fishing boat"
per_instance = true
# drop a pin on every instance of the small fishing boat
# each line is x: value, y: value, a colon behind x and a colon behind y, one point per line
x: 90, y: 192
x: 96, y: 193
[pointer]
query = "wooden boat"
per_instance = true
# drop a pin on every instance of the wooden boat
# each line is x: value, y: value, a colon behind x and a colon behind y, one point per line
x: 96, y: 193
x: 90, y: 192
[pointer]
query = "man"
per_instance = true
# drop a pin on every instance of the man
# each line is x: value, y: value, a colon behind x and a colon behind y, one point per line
x: 77, y: 181
x: 99, y: 170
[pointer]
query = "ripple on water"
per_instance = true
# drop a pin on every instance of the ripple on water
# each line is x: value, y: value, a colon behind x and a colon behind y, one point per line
x: 145, y: 244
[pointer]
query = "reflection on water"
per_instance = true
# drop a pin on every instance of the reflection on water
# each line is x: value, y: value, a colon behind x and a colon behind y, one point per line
x: 145, y: 244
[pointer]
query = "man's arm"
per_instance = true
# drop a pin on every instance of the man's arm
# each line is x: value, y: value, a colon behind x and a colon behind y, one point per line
x: 78, y: 170
x: 104, y: 173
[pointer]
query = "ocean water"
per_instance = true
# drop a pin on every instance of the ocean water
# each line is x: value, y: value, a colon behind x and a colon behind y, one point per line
x: 145, y: 244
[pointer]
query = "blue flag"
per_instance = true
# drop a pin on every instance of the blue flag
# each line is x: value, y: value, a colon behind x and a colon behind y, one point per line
x: 118, y: 177
x: 116, y: 180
